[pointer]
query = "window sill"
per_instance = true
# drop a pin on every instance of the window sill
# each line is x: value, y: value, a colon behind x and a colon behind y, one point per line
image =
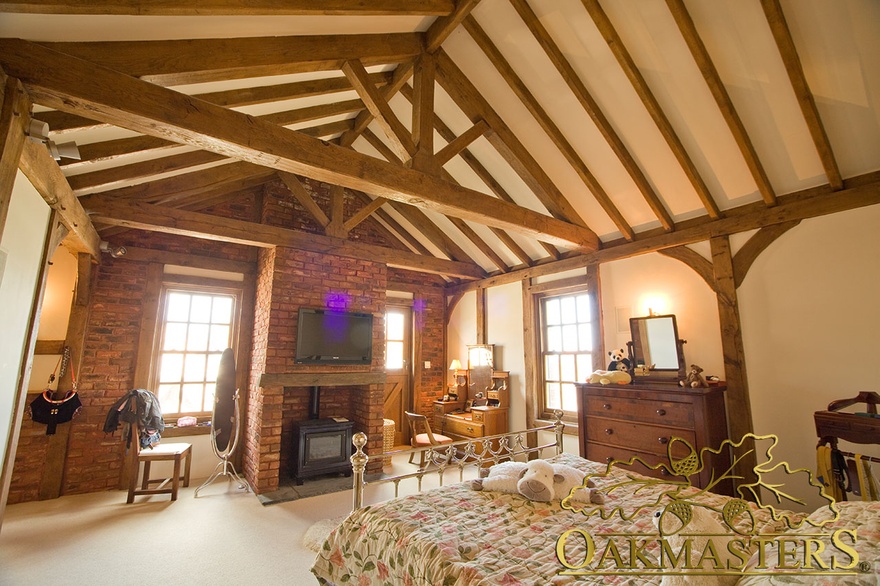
x: 174, y: 431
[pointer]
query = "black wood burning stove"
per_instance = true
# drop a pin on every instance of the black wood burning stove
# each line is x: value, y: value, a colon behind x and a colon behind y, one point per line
x: 321, y: 446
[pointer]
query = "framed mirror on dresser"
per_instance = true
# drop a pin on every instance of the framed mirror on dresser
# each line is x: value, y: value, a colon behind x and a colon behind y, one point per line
x: 653, y: 418
x: 656, y: 352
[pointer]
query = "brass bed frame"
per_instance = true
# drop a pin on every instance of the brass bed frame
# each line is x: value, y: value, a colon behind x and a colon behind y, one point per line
x: 462, y: 454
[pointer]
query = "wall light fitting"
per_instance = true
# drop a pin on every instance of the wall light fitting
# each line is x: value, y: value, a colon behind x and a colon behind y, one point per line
x: 114, y: 251
x: 38, y: 131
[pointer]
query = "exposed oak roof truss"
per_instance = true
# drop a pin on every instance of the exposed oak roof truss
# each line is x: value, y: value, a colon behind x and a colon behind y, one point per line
x: 488, y: 137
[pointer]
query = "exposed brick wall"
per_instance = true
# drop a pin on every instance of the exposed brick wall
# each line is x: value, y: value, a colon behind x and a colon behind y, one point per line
x: 429, y: 317
x: 286, y: 280
x: 308, y: 279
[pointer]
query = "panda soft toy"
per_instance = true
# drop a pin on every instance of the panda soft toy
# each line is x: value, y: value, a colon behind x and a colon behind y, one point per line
x: 619, y: 361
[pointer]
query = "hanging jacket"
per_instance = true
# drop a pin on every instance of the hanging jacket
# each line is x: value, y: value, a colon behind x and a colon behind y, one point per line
x: 147, y: 415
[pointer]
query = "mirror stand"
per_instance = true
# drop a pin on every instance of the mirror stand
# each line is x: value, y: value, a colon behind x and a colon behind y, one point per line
x: 656, y: 353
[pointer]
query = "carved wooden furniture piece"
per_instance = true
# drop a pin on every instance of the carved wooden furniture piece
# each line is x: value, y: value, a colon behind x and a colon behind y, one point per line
x: 617, y: 422
x: 421, y: 436
x: 832, y: 424
x: 483, y: 399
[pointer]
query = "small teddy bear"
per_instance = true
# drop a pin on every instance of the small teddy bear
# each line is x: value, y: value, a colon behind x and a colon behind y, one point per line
x: 694, y: 378
x: 502, y: 477
x: 539, y: 480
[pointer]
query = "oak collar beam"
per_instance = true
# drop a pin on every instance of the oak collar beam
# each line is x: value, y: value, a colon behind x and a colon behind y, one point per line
x: 199, y: 225
x: 58, y: 80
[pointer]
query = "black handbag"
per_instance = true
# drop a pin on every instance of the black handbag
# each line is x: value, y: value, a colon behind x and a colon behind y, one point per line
x: 45, y: 409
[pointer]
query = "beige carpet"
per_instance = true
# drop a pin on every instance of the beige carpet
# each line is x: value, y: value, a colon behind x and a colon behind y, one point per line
x: 225, y: 536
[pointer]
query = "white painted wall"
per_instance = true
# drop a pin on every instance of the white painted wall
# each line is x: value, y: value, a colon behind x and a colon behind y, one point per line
x: 666, y: 286
x: 810, y: 320
x: 810, y: 308
x: 21, y: 257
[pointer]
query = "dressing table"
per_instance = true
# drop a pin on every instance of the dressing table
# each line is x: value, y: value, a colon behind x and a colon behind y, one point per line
x: 618, y: 422
x: 483, y: 399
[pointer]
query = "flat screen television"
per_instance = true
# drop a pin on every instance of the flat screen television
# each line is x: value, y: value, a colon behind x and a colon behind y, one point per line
x: 327, y: 336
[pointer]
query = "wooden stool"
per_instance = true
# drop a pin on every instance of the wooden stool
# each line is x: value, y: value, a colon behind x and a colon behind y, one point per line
x: 166, y: 452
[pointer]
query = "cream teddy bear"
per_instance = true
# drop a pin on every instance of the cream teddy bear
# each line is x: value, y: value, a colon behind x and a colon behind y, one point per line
x: 700, y: 529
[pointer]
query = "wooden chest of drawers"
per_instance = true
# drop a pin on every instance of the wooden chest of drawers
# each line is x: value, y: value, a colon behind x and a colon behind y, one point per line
x: 480, y: 422
x: 617, y: 422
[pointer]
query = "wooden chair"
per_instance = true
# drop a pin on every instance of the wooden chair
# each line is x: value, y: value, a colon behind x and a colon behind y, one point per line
x: 421, y: 436
x: 179, y: 453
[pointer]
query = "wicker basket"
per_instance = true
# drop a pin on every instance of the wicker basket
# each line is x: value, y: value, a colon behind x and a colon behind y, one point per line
x: 388, y: 439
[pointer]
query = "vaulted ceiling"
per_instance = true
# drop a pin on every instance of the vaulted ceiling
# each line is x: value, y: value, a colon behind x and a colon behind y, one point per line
x: 488, y: 135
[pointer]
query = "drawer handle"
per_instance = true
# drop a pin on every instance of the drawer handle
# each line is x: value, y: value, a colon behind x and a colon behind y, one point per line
x: 606, y: 406
x: 663, y: 440
x: 470, y: 429
x: 661, y: 412
x: 609, y: 431
x: 609, y: 459
x: 664, y: 472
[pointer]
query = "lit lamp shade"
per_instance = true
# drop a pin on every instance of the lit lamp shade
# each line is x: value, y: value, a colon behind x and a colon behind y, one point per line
x: 456, y: 364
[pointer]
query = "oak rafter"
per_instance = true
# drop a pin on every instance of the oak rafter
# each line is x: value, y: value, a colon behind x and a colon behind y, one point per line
x: 178, y: 62
x: 591, y: 107
x: 238, y: 8
x: 615, y: 43
x: 722, y: 98
x: 791, y: 60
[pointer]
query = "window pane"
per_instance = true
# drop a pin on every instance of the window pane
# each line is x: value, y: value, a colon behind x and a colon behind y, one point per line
x: 178, y: 307
x: 221, y: 312
x: 169, y: 398
x: 209, y: 398
x: 570, y: 338
x: 567, y: 333
x: 568, y: 311
x: 583, y: 308
x: 551, y: 312
x: 197, y: 327
x: 213, y: 367
x: 175, y: 337
x: 584, y: 367
x: 551, y: 367
x: 192, y: 398
x: 554, y: 339
x: 219, y: 339
x: 569, y: 398
x: 197, y: 340
x: 394, y: 326
x: 553, y: 401
x: 585, y: 337
x: 194, y: 368
x: 171, y: 368
x: 200, y: 311
x: 394, y: 355
x: 567, y: 370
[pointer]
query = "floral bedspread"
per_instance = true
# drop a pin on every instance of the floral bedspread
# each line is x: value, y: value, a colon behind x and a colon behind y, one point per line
x: 863, y: 518
x: 458, y: 536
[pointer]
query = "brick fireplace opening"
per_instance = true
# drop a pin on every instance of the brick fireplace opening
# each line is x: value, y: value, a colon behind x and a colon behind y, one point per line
x: 270, y: 453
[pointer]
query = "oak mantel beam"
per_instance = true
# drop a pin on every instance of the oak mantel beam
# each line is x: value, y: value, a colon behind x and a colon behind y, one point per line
x: 58, y: 80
